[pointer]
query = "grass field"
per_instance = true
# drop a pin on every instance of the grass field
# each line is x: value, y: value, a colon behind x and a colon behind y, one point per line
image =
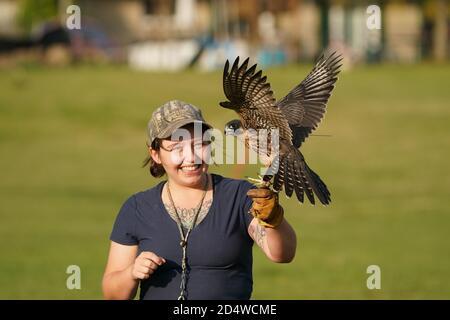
x: 72, y: 141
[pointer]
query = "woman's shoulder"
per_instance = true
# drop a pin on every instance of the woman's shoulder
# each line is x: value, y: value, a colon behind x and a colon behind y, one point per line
x: 225, y: 184
x: 146, y: 196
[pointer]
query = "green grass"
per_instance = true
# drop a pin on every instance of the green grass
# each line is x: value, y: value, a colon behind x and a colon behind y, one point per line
x: 72, y: 141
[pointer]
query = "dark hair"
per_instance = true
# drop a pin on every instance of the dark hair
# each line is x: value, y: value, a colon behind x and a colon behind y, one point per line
x: 156, y: 169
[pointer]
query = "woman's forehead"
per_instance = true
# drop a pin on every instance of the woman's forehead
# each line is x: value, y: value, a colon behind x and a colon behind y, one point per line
x: 186, y: 134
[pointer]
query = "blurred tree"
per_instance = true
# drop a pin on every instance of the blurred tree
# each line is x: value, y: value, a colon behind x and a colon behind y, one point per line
x: 440, y: 34
x: 32, y: 12
x: 324, y: 23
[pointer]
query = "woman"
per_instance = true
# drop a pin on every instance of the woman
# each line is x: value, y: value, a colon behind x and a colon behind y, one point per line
x: 191, y: 237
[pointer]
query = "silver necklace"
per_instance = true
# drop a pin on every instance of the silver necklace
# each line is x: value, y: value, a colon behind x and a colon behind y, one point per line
x: 184, y: 237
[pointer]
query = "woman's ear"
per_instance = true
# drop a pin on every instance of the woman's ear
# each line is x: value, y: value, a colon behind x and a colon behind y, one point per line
x: 155, y: 155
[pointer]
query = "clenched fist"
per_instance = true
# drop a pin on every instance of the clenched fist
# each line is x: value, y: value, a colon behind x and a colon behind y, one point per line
x: 145, y: 265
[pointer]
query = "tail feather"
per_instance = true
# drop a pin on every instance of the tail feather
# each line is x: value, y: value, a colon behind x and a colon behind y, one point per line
x: 323, y: 194
x: 299, y: 189
x: 289, y: 182
x: 295, y: 175
x: 306, y: 181
x: 279, y: 176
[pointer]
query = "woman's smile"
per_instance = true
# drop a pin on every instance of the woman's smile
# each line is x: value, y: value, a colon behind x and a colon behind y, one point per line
x: 191, y: 169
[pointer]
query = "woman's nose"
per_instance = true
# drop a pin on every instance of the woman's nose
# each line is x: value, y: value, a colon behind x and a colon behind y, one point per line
x: 192, y: 154
x: 188, y: 154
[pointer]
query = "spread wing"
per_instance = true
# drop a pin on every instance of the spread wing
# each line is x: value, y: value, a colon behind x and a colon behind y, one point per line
x: 252, y: 98
x: 304, y: 106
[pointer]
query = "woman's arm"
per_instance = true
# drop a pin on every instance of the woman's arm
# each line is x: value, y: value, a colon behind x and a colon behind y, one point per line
x: 124, y: 270
x: 279, y: 243
x: 118, y: 282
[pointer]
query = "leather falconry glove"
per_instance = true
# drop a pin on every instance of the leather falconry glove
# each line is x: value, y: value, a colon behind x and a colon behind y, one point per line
x: 265, y: 207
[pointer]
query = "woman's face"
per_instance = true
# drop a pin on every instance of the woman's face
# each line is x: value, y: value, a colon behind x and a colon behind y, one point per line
x: 184, y: 159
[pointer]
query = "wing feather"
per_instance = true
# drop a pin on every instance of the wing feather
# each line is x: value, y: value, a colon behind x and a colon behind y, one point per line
x: 251, y: 96
x: 305, y: 105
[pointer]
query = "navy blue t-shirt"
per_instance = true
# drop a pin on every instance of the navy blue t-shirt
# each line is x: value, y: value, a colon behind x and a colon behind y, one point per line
x: 219, y: 251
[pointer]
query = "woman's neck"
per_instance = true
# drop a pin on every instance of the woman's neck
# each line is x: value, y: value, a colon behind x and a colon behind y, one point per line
x: 189, y: 190
x: 194, y: 204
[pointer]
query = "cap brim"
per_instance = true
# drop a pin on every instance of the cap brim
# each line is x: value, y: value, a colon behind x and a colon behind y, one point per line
x: 167, y: 132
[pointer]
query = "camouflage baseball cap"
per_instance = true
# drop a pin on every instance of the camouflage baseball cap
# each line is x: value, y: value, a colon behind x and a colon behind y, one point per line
x: 171, y: 116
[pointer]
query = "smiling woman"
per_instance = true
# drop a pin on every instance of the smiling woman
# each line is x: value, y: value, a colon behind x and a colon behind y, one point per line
x: 191, y: 236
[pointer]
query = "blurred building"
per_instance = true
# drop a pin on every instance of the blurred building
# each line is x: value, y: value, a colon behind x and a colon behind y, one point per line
x: 8, y: 18
x: 157, y: 32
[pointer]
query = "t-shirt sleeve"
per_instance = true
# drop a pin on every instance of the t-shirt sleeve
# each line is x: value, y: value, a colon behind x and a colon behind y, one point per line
x: 246, y: 202
x: 124, y: 231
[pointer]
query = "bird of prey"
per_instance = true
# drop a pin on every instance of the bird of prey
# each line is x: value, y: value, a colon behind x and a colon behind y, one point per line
x: 295, y: 116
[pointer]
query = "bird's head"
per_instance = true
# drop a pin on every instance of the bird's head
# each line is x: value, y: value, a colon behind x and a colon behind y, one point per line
x: 233, y: 128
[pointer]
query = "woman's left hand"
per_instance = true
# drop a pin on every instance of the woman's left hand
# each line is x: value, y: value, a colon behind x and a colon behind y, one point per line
x: 266, y: 207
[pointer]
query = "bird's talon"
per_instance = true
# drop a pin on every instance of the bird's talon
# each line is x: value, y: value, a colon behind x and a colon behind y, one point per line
x: 260, y: 183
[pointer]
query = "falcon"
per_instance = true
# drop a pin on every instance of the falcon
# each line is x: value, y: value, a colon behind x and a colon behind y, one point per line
x: 294, y: 118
